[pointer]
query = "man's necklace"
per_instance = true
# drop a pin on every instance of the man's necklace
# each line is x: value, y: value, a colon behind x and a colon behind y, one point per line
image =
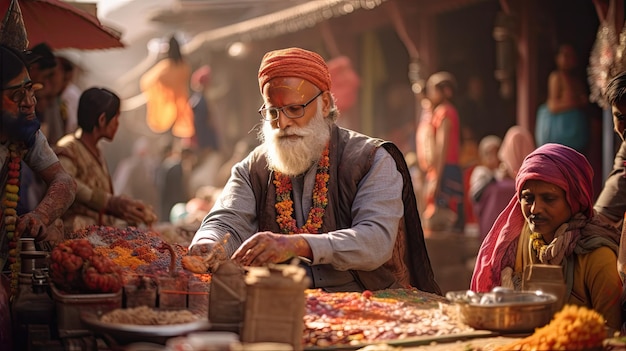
x: 538, y: 243
x: 284, y: 203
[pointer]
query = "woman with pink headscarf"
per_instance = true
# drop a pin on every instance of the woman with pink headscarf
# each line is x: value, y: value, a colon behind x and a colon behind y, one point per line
x: 516, y: 145
x: 550, y: 220
x: 495, y: 195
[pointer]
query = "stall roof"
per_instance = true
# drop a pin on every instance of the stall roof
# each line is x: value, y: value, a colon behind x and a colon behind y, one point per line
x: 272, y: 20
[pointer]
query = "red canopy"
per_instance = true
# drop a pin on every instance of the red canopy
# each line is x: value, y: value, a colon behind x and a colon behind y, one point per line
x: 62, y: 26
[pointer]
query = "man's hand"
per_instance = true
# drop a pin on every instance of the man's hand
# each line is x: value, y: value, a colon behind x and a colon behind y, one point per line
x: 32, y: 225
x: 201, y: 248
x: 266, y: 247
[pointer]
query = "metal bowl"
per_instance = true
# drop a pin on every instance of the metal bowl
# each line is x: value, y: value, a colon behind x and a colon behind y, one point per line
x: 117, y: 335
x: 505, y: 310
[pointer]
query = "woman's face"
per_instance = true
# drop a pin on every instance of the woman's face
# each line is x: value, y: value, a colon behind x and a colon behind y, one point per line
x: 545, y: 207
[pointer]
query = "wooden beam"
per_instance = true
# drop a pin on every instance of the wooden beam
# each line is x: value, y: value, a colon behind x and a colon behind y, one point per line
x: 527, y: 65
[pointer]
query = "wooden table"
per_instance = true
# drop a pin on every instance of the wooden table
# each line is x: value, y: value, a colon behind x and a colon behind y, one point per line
x: 483, y: 344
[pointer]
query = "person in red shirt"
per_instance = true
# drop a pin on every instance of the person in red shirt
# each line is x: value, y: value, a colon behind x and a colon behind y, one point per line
x: 438, y: 141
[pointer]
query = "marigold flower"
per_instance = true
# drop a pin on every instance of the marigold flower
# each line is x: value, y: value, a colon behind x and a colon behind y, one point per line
x: 284, y: 204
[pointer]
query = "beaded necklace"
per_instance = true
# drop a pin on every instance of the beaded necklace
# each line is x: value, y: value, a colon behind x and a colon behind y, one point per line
x: 284, y: 203
x: 11, y: 198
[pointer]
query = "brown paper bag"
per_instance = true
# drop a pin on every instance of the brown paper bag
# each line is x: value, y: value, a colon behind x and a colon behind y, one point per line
x: 547, y: 278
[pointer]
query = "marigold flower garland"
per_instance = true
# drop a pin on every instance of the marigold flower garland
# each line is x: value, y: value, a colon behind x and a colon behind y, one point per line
x: 11, y: 198
x: 284, y: 203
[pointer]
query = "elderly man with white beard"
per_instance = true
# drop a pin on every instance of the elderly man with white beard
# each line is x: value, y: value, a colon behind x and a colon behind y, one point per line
x: 339, y: 200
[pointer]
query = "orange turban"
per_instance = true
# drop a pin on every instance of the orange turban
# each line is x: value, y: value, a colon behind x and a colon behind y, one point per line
x: 294, y: 62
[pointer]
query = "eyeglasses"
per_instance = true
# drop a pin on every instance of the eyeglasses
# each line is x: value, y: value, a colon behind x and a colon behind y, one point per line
x: 20, y: 91
x: 290, y: 111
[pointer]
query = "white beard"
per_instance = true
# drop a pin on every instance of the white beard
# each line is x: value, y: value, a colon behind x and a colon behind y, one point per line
x: 295, y: 156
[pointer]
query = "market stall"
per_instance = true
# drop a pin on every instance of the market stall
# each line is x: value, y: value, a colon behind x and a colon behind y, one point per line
x: 122, y: 288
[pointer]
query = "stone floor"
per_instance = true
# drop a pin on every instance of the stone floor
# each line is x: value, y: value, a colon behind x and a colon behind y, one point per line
x: 452, y: 256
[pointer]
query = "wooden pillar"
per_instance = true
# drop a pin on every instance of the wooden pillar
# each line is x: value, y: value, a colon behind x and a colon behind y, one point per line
x: 426, y: 42
x: 527, y: 65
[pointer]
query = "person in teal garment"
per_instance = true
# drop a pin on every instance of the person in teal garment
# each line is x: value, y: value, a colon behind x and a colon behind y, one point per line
x: 562, y: 118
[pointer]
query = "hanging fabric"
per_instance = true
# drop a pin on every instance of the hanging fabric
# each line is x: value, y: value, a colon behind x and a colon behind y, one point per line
x: 345, y: 80
x: 602, y: 61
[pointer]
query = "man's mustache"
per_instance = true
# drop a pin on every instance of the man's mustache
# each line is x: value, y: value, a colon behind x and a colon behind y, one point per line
x: 290, y: 132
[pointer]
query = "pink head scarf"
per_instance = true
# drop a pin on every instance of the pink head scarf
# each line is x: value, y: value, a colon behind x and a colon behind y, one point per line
x: 552, y: 163
x: 516, y: 145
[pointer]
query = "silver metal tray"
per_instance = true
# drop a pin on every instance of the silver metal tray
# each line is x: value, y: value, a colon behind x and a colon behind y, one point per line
x: 123, y: 334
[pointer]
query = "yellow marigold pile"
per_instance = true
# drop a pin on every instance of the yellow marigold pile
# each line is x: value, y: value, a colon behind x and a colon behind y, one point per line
x: 122, y: 256
x: 572, y: 328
